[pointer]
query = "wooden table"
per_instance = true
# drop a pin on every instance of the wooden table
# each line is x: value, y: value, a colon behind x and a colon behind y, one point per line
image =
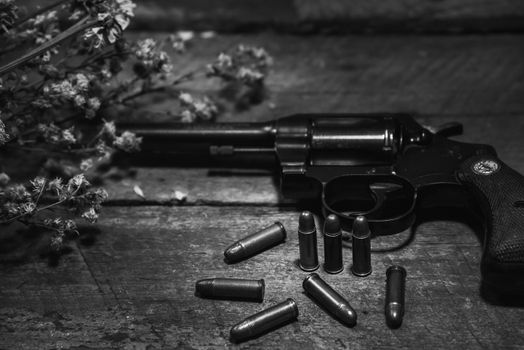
x: 128, y: 282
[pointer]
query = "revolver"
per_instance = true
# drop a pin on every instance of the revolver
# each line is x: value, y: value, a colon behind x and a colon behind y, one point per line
x: 382, y: 166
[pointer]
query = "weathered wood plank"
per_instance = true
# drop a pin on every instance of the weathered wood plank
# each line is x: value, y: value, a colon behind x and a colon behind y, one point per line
x: 332, y: 15
x: 356, y: 16
x: 133, y: 285
x: 430, y: 75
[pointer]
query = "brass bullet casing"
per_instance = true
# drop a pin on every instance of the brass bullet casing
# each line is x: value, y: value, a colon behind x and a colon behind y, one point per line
x: 332, y: 245
x: 329, y: 298
x: 268, y: 319
x: 361, y: 244
x: 395, y: 296
x: 230, y: 289
x: 255, y: 243
x: 307, y: 242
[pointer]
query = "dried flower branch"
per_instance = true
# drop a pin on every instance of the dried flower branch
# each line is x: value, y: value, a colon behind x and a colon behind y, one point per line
x: 57, y: 99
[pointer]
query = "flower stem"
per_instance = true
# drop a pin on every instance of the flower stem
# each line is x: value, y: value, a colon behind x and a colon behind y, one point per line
x: 81, y: 25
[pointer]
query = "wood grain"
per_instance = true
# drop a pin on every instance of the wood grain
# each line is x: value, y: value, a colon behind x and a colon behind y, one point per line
x: 338, y: 15
x: 133, y: 285
x: 430, y: 75
x: 129, y: 281
x: 306, y: 16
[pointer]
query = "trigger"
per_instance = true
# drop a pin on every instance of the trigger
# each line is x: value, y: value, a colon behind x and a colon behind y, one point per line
x: 380, y: 191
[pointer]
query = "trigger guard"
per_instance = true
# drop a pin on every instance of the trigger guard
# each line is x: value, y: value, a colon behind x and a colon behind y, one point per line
x: 379, y: 226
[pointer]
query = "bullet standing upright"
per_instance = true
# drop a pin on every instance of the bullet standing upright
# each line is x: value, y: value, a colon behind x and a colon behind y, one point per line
x: 307, y: 242
x: 361, y: 243
x: 332, y: 245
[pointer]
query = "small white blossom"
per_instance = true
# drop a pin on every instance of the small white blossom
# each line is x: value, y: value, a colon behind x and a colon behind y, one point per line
x: 109, y: 129
x: 81, y: 81
x: 86, y: 164
x: 27, y: 208
x: 63, y: 89
x: 93, y: 103
x: 77, y: 182
x: 114, y: 21
x: 187, y: 116
x: 4, y: 137
x: 103, y: 150
x: 208, y: 34
x: 70, y: 225
x: 57, y: 240
x: 127, y: 142
x: 38, y: 184
x: 126, y: 7
x: 49, y: 16
x: 68, y: 137
x: 80, y: 100
x: 4, y: 179
x: 55, y: 185
x: 96, y: 34
x: 151, y: 58
x: 186, y: 98
x: 90, y: 215
x: 203, y: 108
x: 249, y: 75
x: 185, y: 35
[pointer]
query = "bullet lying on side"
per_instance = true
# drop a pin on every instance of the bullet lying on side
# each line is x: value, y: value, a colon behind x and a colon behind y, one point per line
x: 327, y: 297
x: 395, y: 295
x: 255, y: 243
x: 268, y: 319
x: 230, y: 289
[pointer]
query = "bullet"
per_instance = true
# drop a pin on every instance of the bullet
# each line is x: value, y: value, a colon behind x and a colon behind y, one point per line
x: 268, y: 319
x: 332, y: 245
x: 230, y: 289
x: 395, y: 290
x: 307, y: 242
x: 255, y: 243
x: 328, y: 298
x: 361, y: 239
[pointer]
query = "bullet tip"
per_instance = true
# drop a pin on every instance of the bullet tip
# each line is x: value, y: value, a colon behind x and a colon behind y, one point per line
x: 306, y: 222
x: 360, y: 227
x: 203, y: 287
x: 394, y: 315
x: 394, y: 268
x: 332, y: 224
x: 232, y: 253
x: 240, y: 332
x: 347, y: 316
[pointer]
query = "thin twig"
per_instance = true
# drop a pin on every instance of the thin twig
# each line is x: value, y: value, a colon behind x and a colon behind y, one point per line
x: 73, y: 30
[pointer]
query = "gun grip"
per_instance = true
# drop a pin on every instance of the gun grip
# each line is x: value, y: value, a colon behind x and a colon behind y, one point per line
x: 500, y: 192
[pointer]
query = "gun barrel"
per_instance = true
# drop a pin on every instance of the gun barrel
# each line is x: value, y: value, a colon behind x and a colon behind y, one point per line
x: 259, y: 134
x: 182, y: 143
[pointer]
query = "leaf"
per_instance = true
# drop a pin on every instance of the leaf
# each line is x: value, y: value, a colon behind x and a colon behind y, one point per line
x: 139, y: 192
